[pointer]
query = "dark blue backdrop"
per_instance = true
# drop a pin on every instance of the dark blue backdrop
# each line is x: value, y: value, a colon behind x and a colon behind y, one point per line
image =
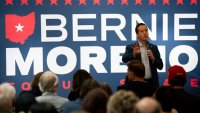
x: 144, y: 10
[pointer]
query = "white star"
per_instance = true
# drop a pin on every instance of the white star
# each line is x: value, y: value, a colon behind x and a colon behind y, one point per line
x: 19, y: 27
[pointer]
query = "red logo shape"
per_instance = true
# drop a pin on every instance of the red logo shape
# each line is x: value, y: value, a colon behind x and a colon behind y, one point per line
x: 19, y: 28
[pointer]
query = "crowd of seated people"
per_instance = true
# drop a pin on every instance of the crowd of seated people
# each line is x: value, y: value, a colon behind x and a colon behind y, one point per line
x: 90, y: 96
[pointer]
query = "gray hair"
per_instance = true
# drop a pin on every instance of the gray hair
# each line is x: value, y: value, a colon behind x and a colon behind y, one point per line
x: 122, y: 102
x: 7, y: 94
x: 48, y: 82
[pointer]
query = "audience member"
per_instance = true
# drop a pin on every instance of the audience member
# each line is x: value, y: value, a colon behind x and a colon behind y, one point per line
x: 87, y: 86
x: 79, y: 111
x: 48, y: 85
x: 106, y: 88
x: 42, y: 108
x: 96, y: 101
x: 148, y: 105
x: 24, y: 101
x: 94, y: 97
x: 122, y: 102
x: 78, y: 78
x: 185, y: 102
x: 7, y: 98
x: 34, y: 85
x: 166, y: 97
x: 135, y: 74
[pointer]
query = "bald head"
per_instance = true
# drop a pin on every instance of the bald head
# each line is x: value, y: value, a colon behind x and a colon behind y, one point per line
x: 148, y: 105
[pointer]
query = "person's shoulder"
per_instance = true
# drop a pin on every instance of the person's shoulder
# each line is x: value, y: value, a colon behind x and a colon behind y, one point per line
x: 185, y: 94
x: 194, y: 96
x: 40, y: 98
x: 57, y: 97
x: 152, y: 45
x: 129, y: 85
x: 68, y: 103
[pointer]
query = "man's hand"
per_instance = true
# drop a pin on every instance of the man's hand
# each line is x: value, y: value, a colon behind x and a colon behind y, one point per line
x: 150, y: 55
x: 136, y: 49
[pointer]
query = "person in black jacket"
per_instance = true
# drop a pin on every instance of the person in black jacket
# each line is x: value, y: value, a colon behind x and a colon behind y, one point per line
x: 136, y: 73
x: 185, y: 102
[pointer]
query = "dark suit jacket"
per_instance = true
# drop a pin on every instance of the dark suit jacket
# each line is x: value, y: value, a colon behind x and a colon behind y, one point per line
x: 186, y: 102
x: 157, y: 64
x: 141, y: 89
x: 36, y: 91
x: 74, y: 94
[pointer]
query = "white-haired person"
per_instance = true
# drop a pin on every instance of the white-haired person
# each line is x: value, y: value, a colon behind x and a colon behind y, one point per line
x: 48, y: 84
x: 7, y: 98
x: 122, y: 101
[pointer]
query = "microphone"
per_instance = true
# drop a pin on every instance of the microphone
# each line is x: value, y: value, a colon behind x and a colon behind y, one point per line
x: 147, y: 46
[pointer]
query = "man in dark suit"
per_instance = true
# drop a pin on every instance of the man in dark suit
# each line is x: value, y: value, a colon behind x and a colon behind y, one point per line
x: 147, y: 53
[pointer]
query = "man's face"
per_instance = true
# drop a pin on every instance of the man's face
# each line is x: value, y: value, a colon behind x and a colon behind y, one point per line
x: 143, y: 33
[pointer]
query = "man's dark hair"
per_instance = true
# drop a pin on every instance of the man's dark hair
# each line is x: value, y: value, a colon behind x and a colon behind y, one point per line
x: 137, y: 67
x: 177, y: 81
x: 136, y: 28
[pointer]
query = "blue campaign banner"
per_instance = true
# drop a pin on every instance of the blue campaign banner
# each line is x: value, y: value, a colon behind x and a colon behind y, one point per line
x: 66, y: 35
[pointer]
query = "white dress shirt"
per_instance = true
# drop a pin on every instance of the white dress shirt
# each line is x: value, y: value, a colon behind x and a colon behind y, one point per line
x: 145, y: 61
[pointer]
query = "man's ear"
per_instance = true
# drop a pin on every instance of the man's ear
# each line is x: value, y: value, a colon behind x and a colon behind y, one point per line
x: 56, y: 85
x: 133, y: 75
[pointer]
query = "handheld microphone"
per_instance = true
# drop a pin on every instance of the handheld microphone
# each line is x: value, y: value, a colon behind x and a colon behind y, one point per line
x: 147, y: 46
